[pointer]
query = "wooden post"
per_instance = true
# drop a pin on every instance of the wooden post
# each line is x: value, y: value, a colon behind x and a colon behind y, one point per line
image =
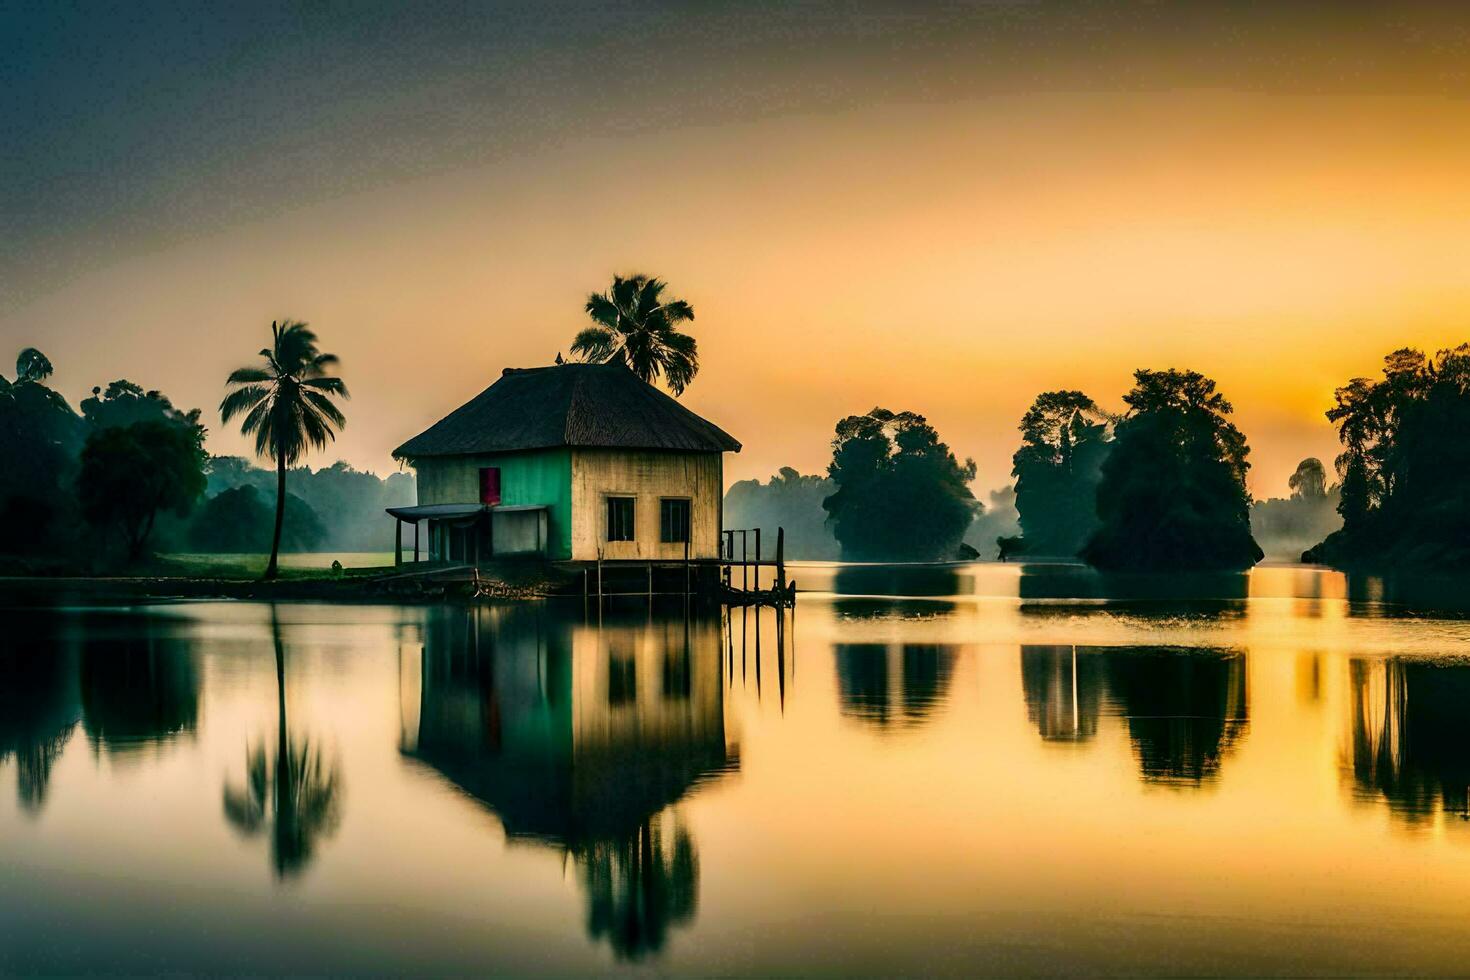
x: 415, y: 542
x: 686, y: 566
x: 757, y: 568
x: 745, y: 561
x: 650, y: 580
x: 599, y: 583
x: 397, y: 542
x: 781, y: 559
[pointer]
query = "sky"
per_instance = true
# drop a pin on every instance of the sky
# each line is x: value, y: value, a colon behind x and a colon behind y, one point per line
x: 943, y: 208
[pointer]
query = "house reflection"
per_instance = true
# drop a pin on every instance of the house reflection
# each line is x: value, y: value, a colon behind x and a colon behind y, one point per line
x: 1063, y: 692
x: 582, y: 738
x: 1409, y: 736
x: 893, y: 686
x: 39, y: 709
x: 1185, y: 709
x: 139, y: 685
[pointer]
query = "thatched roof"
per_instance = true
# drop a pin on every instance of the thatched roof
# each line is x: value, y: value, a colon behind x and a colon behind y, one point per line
x: 588, y: 406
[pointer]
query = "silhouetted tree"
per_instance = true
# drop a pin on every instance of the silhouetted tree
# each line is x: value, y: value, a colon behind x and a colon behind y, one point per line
x: 40, y: 436
x: 1285, y: 526
x: 901, y: 494
x: 287, y: 406
x: 1172, y: 494
x: 131, y: 474
x: 636, y: 325
x: 788, y: 500
x: 1064, y: 440
x: 124, y: 403
x: 1309, y: 481
x: 1405, y: 465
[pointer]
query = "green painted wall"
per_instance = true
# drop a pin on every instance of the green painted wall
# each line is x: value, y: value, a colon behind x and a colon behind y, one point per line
x: 541, y: 476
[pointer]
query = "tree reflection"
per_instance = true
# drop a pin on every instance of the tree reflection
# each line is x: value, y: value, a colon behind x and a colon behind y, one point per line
x: 1410, y: 735
x: 294, y: 794
x: 640, y: 885
x: 870, y: 689
x: 1185, y: 710
x: 584, y: 739
x: 1063, y: 691
x: 139, y: 685
x: 38, y: 709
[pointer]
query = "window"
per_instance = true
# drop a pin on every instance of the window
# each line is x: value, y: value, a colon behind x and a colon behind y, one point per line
x: 673, y: 519
x: 620, y: 519
x: 489, y: 484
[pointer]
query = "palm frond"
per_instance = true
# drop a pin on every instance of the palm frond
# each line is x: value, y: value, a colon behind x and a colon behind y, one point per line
x: 242, y: 400
x: 244, y: 376
x: 332, y: 386
x: 595, y: 344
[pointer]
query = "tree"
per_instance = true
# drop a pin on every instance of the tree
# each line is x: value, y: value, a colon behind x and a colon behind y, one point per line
x: 1309, y: 482
x: 1285, y: 526
x: 236, y: 520
x: 636, y: 325
x: 124, y: 403
x: 40, y: 437
x: 788, y: 500
x: 130, y: 474
x: 1064, y: 440
x: 287, y: 406
x: 1405, y: 465
x: 1172, y: 494
x: 901, y: 494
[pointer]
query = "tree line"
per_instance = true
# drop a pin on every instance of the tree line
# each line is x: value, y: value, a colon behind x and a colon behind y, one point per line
x: 1158, y: 486
x: 129, y: 472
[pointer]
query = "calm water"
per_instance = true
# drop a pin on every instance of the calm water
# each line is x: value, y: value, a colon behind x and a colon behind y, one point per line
x: 925, y: 770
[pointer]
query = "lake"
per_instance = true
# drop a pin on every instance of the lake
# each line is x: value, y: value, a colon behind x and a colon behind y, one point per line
x: 997, y: 769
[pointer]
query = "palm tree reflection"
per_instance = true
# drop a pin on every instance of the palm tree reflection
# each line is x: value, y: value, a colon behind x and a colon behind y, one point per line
x: 584, y: 739
x: 639, y: 885
x: 293, y: 793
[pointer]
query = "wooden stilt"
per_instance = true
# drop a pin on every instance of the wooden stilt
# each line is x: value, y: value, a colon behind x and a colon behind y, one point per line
x: 415, y: 541
x: 781, y: 558
x: 397, y: 542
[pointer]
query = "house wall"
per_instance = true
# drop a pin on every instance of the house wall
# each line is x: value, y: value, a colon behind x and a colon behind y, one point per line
x: 646, y: 476
x: 542, y: 477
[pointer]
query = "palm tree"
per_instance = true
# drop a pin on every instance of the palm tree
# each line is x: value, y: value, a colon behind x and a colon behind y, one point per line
x: 637, y: 326
x: 287, y: 406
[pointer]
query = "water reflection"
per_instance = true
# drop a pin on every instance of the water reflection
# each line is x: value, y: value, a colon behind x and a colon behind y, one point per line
x: 893, y: 686
x: 1198, y: 592
x: 581, y: 738
x: 294, y: 793
x: 1185, y: 709
x: 1410, y: 736
x: 39, y: 709
x: 1063, y: 692
x: 139, y: 684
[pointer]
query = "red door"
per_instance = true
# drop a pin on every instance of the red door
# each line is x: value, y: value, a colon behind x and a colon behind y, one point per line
x: 490, y: 485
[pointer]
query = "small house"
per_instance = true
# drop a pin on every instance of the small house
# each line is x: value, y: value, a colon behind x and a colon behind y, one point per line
x: 575, y: 462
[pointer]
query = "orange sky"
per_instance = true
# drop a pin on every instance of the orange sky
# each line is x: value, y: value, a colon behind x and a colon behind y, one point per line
x: 951, y: 256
